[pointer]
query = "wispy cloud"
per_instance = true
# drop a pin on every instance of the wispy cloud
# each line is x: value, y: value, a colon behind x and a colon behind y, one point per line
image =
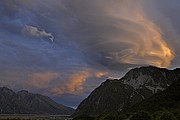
x: 35, y: 32
x: 123, y: 33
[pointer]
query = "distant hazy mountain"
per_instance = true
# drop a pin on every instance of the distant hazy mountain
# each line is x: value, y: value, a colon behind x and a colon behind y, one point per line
x: 24, y: 102
x: 137, y: 85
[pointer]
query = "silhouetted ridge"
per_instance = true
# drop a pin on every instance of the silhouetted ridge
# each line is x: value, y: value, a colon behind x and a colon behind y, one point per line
x: 24, y: 102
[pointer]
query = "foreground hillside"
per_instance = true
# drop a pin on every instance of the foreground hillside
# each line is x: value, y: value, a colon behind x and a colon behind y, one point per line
x: 24, y: 102
x: 164, y: 105
x: 137, y: 85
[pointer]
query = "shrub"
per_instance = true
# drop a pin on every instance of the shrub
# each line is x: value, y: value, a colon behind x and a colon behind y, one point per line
x: 142, y: 115
x: 167, y: 116
x: 156, y: 115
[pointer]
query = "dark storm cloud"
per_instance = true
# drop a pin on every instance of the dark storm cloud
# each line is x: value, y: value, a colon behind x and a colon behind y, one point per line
x: 92, y: 40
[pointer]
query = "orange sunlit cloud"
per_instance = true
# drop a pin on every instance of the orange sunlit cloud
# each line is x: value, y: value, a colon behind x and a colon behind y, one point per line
x: 42, y: 79
x: 75, y: 83
x: 145, y: 41
x: 100, y: 74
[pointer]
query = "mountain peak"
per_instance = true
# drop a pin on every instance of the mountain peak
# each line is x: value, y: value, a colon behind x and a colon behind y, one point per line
x: 147, y: 70
x: 150, y: 76
x: 24, y: 102
x: 137, y: 85
x: 6, y: 90
x: 23, y: 91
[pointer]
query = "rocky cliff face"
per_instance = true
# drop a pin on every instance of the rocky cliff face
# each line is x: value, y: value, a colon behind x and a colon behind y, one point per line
x: 137, y: 85
x: 24, y: 102
x: 168, y: 100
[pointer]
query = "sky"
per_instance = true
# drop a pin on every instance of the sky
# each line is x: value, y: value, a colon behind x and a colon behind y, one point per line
x: 66, y: 48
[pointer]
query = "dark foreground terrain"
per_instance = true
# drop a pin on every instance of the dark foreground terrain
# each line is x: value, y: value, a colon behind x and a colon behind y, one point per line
x: 34, y: 117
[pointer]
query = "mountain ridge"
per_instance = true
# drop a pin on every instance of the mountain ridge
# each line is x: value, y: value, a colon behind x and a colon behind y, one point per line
x: 23, y: 102
x: 137, y: 84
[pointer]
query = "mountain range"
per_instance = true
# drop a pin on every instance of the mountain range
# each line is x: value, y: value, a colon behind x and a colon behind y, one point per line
x: 137, y: 85
x: 23, y: 102
x: 144, y: 88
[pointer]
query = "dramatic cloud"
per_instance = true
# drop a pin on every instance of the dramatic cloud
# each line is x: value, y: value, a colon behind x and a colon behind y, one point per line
x: 123, y: 33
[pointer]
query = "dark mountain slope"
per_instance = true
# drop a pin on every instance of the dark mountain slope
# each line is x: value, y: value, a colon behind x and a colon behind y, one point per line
x: 137, y: 85
x: 24, y: 102
x: 168, y: 99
